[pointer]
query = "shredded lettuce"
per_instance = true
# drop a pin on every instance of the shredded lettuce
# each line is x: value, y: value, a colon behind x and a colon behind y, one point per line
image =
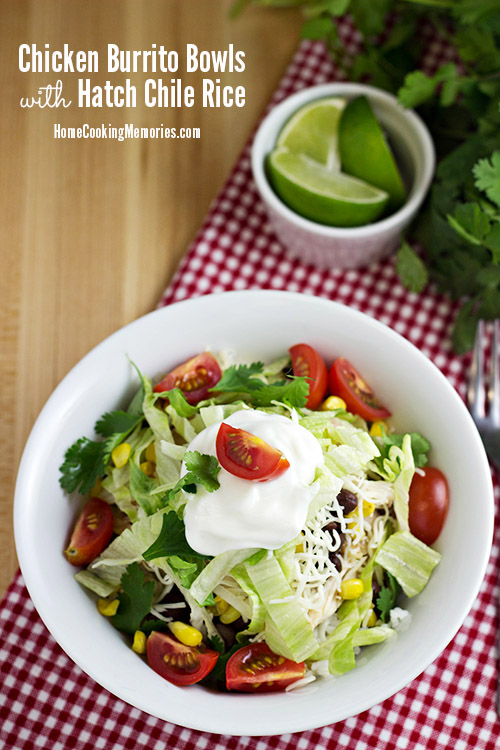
x: 287, y: 629
x: 213, y: 573
x: 410, y: 561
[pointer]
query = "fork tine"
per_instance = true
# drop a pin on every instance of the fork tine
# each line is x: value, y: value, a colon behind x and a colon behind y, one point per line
x: 494, y: 394
x: 475, y: 389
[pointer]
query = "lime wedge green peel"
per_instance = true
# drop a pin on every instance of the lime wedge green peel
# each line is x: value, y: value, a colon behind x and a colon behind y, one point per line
x: 322, y: 195
x: 365, y: 152
x: 312, y: 131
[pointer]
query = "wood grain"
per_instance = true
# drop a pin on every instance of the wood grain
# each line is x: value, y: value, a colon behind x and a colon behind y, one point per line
x: 92, y: 231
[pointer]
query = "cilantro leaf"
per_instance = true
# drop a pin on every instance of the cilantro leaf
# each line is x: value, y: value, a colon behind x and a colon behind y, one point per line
x: 244, y: 380
x: 419, y: 87
x: 470, y: 222
x: 241, y: 378
x: 420, y: 447
x: 411, y: 269
x: 464, y: 330
x: 84, y: 462
x: 388, y: 596
x: 116, y: 421
x: 171, y: 540
x: 142, y: 490
x: 136, y: 598
x: 202, y: 469
x: 487, y: 176
x: 216, y: 642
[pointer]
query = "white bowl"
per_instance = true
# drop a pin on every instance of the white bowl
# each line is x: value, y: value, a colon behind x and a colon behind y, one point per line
x: 258, y: 324
x: 338, y: 247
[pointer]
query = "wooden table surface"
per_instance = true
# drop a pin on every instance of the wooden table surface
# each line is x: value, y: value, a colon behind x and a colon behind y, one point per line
x: 92, y: 230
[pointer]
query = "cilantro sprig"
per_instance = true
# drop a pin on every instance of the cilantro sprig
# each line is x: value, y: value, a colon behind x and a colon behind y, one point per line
x: 86, y: 460
x: 246, y: 381
x: 135, y: 597
x: 388, y: 596
x: 458, y: 229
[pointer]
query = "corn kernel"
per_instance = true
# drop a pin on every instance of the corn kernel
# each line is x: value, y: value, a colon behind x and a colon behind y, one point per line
x: 107, y: 608
x: 299, y: 547
x: 372, y: 620
x: 332, y: 403
x: 121, y: 454
x: 377, y: 429
x: 351, y: 589
x: 147, y: 468
x: 185, y: 633
x: 96, y: 489
x: 151, y: 453
x: 368, y: 508
x: 139, y: 644
x: 230, y: 615
x: 220, y: 605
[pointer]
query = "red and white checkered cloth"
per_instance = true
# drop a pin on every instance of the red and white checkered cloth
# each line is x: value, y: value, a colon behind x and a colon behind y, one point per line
x: 46, y: 701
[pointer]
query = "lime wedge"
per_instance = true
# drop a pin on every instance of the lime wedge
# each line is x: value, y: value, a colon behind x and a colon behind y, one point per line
x: 313, y: 131
x: 321, y: 195
x: 365, y: 152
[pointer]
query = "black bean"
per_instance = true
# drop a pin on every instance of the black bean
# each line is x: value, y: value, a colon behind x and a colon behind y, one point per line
x: 336, y: 560
x: 348, y: 501
x: 335, y: 526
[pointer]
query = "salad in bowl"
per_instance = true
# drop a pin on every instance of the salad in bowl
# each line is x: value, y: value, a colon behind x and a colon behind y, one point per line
x: 253, y: 526
x: 276, y: 592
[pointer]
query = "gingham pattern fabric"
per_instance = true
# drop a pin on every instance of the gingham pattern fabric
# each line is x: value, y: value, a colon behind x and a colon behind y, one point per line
x: 48, y: 702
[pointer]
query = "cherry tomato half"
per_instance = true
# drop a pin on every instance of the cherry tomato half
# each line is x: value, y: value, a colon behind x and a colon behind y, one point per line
x: 92, y: 532
x: 428, y: 504
x: 257, y: 669
x: 195, y: 378
x: 247, y: 456
x: 346, y: 382
x: 177, y: 663
x: 307, y: 363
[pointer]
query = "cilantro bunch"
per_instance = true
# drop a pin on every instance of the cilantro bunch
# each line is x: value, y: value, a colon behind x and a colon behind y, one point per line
x: 459, y: 227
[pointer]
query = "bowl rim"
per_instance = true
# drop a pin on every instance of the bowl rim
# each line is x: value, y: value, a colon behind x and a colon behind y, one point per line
x: 295, y: 722
x: 280, y: 113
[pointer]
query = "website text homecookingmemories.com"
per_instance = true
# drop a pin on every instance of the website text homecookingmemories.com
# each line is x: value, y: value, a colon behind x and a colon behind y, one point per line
x: 122, y: 133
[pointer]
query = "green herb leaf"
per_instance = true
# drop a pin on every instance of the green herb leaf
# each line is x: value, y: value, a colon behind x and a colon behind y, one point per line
x: 86, y: 460
x: 244, y: 380
x: 136, y: 599
x: 411, y: 269
x: 171, y: 540
x: 470, y: 222
x: 420, y: 447
x: 464, y: 330
x: 116, y: 422
x: 142, y: 489
x: 388, y: 596
x: 487, y: 177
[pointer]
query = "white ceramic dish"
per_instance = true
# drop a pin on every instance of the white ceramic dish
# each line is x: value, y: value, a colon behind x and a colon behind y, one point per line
x: 421, y: 399
x: 337, y: 247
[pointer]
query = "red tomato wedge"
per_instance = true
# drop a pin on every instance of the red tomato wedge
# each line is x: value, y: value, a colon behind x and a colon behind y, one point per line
x: 92, y: 532
x: 247, y: 456
x: 346, y: 382
x: 307, y: 363
x: 177, y: 663
x: 257, y: 669
x: 195, y: 378
x: 428, y: 504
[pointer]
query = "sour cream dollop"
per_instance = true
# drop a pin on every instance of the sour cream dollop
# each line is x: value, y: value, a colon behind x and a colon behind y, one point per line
x: 243, y: 514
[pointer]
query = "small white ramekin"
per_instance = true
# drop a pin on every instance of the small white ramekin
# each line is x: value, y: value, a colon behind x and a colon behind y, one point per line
x: 352, y: 247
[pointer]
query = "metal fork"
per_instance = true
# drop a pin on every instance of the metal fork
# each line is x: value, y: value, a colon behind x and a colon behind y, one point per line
x: 483, y: 392
x: 483, y: 398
